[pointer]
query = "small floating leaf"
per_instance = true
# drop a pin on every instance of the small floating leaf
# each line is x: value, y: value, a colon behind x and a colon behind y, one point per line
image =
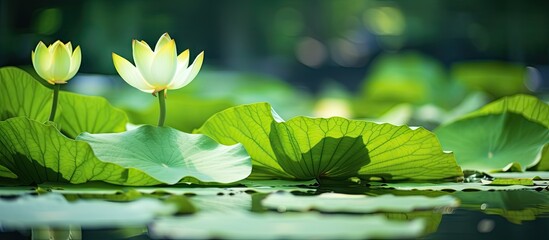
x: 509, y: 181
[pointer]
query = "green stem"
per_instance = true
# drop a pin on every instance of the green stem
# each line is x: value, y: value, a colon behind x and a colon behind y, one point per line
x: 162, y: 101
x: 54, y: 102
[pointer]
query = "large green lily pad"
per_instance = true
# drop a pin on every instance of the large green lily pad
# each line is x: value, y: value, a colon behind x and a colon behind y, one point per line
x: 511, y: 130
x: 37, y: 153
x: 22, y: 95
x: 312, y: 148
x: 169, y: 155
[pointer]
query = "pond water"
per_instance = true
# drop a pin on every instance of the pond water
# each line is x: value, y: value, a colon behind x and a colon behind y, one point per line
x: 267, y: 212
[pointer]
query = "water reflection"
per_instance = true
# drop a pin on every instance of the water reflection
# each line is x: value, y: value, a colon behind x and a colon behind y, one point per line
x: 515, y: 206
x: 481, y: 213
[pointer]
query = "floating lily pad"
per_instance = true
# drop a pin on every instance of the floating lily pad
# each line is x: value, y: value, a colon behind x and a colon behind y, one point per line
x: 170, y: 156
x: 284, y: 226
x: 529, y: 174
x: 22, y: 95
x: 54, y: 210
x: 37, y: 153
x: 511, y: 130
x: 337, y: 202
x: 451, y: 187
x: 312, y: 148
x: 19, y: 190
x: 509, y: 181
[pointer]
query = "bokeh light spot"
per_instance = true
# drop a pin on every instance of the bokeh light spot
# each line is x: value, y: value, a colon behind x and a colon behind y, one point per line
x: 311, y: 52
x: 385, y: 21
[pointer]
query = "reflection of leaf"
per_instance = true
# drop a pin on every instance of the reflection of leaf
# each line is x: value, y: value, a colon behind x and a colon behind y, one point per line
x: 38, y: 153
x: 169, y: 155
x: 284, y: 226
x: 223, y: 203
x: 432, y: 218
x: 308, y: 148
x: 511, y: 130
x: 515, y: 206
x: 336, y: 202
x: 22, y: 95
x: 53, y: 210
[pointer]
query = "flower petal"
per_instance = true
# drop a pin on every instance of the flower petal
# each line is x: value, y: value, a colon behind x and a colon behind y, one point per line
x: 143, y: 57
x: 75, y: 62
x: 182, y: 64
x: 165, y: 38
x: 183, y: 59
x: 41, y: 60
x: 130, y: 74
x: 163, y: 66
x: 61, y: 62
x: 197, y: 64
x: 69, y: 46
x: 185, y: 77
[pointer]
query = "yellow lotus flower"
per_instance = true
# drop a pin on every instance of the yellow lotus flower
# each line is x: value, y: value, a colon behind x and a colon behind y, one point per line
x: 56, y: 63
x: 160, y: 69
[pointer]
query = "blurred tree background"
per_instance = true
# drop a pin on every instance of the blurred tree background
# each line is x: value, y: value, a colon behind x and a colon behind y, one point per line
x: 372, y: 54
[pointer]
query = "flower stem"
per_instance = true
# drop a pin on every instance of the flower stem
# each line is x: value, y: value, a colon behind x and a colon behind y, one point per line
x: 162, y: 101
x: 54, y: 102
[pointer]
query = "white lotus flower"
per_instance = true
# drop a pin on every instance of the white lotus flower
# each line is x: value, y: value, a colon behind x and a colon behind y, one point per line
x: 56, y: 63
x: 160, y: 69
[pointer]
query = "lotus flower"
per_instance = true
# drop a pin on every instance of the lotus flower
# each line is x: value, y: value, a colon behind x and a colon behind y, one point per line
x: 56, y: 63
x: 160, y: 69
